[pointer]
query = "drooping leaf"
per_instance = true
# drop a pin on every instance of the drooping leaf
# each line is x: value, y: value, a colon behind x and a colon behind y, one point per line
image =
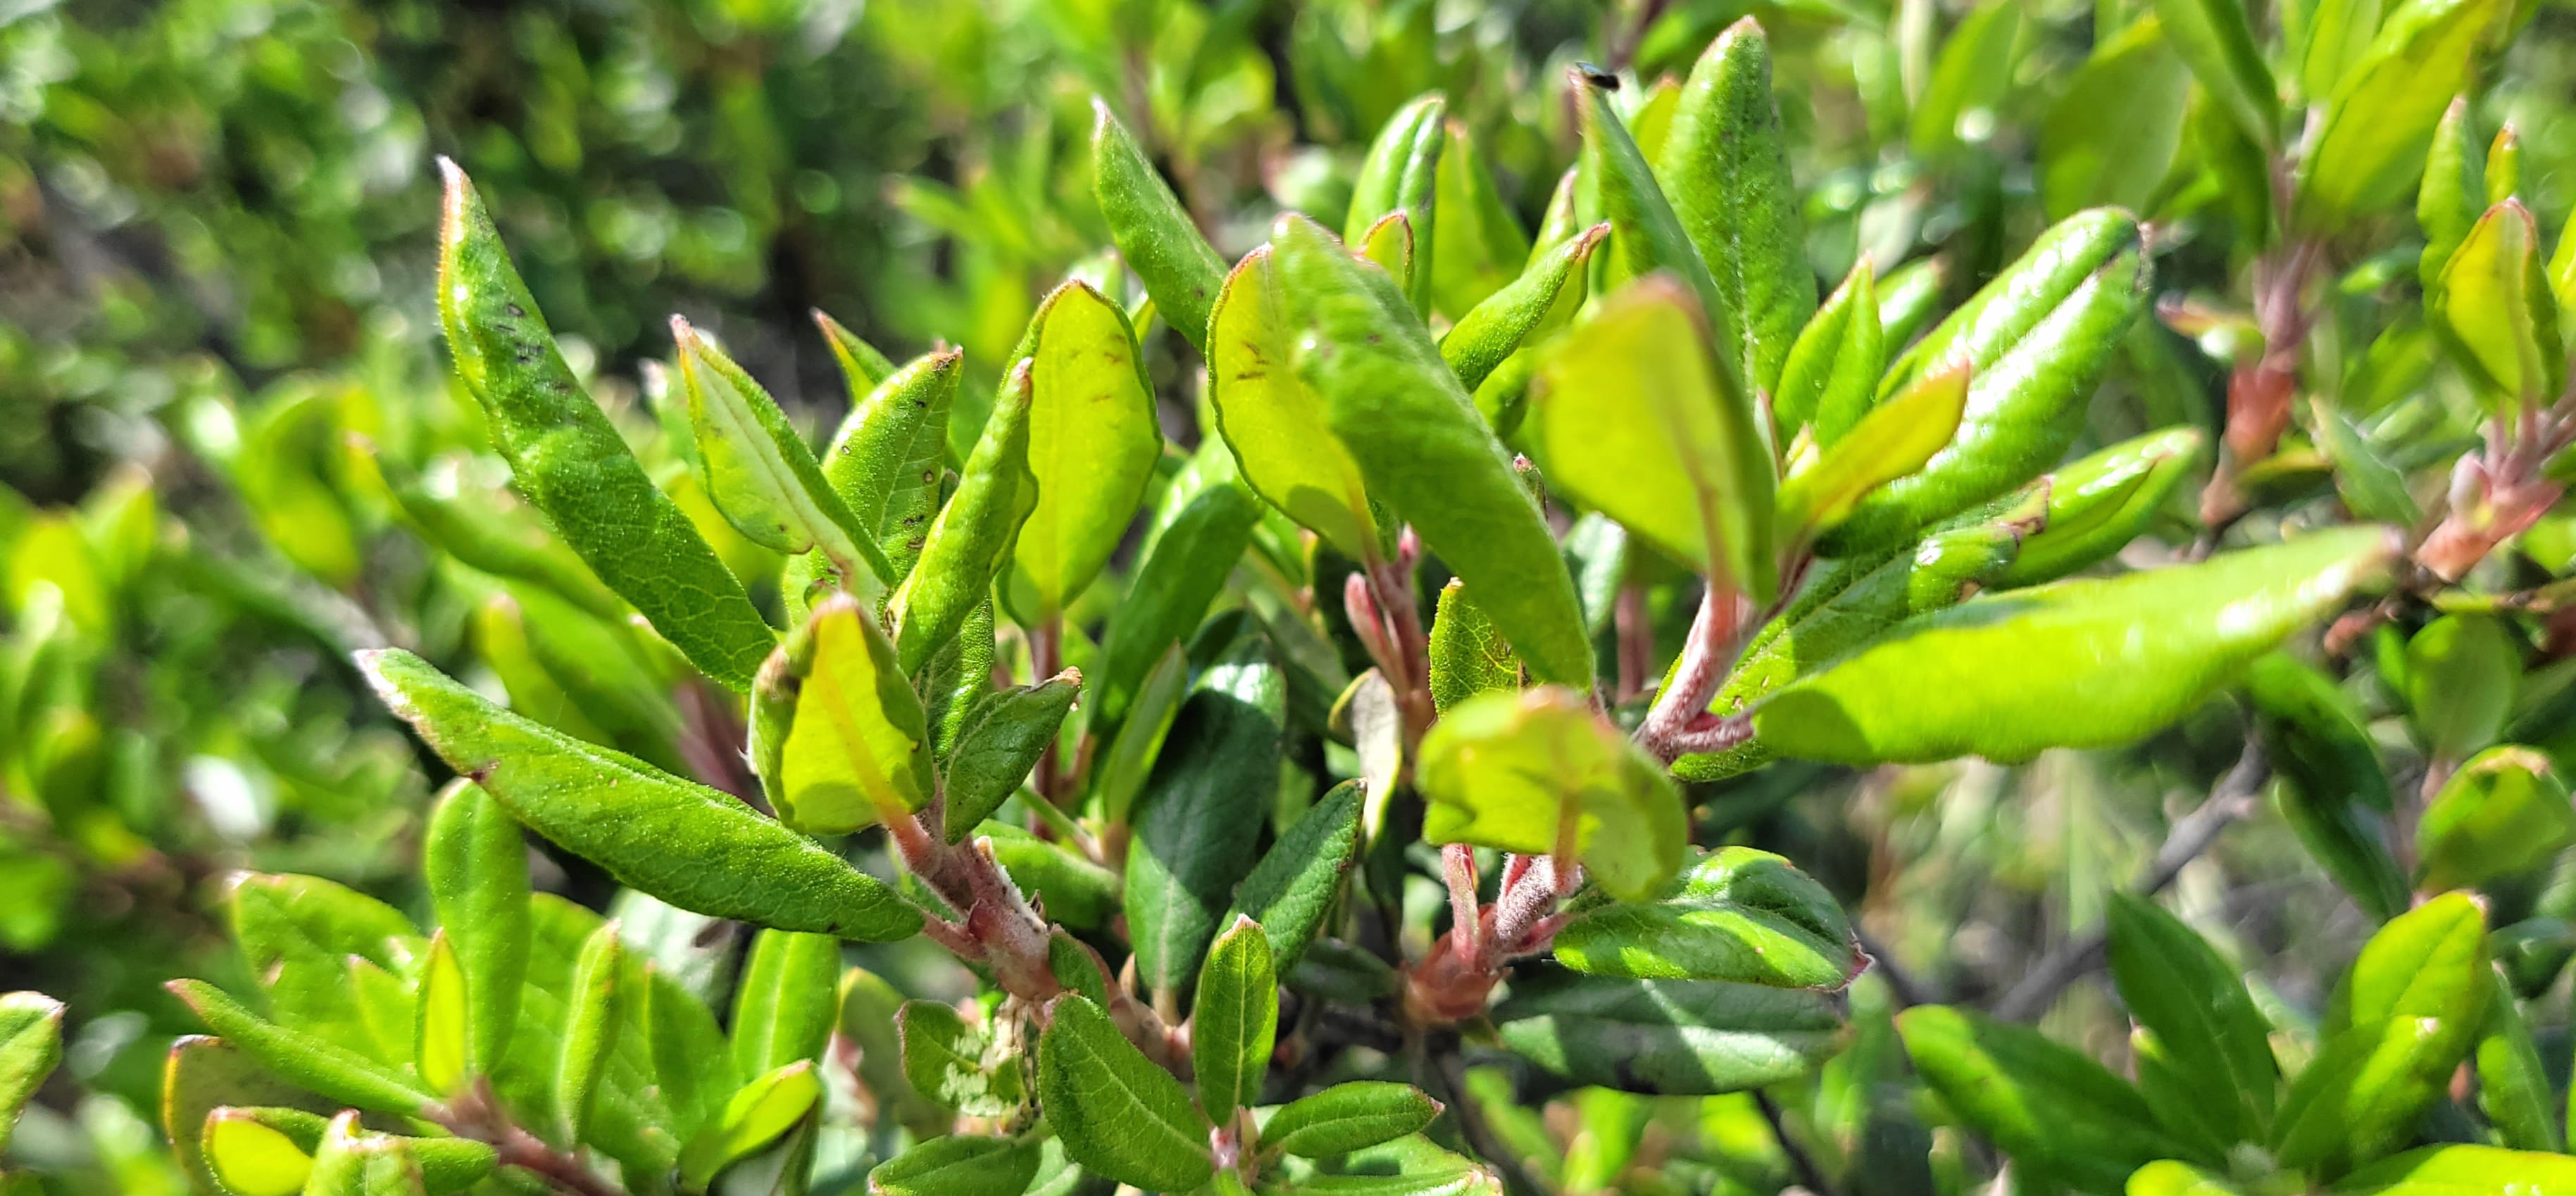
x: 1417, y: 438
x: 1736, y: 914
x: 2074, y: 663
x: 571, y: 464
x: 1631, y: 414
x: 1118, y: 1114
x: 1726, y: 166
x: 687, y: 844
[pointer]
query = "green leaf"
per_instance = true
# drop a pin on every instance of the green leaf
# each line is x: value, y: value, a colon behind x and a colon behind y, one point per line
x: 958, y: 1165
x: 1679, y: 1037
x: 1647, y: 234
x: 301, y: 1059
x: 2112, y: 135
x: 2072, y: 664
x: 1538, y: 771
x: 203, y: 1074
x: 1215, y: 778
x: 857, y: 747
x: 1075, y: 891
x: 1154, y: 233
x: 1118, y: 1114
x: 998, y: 743
x: 1279, y: 429
x: 570, y: 462
x: 441, y: 1029
x: 602, y: 1004
x: 951, y: 682
x: 757, y: 1114
x: 871, y: 1019
x: 1235, y: 1021
x: 1830, y: 377
x: 2196, y: 1005
x: 1388, y: 245
x: 1468, y: 653
x: 1908, y: 297
x: 1293, y: 888
x: 2429, y: 962
x: 1726, y: 164
x: 2215, y: 37
x: 863, y: 366
x: 2463, y: 1170
x: 2097, y: 505
x: 1968, y: 80
x: 1411, y: 1166
x: 2336, y: 35
x: 2461, y: 672
x: 2035, y: 340
x: 350, y: 1162
x: 1849, y: 603
x: 1093, y: 440
x: 2364, y: 1091
x: 2379, y: 123
x: 682, y: 842
x: 760, y: 474
x: 2493, y: 306
x: 2513, y: 1085
x: 2505, y: 812
x: 1346, y: 1117
x: 1402, y: 174
x: 1417, y: 438
x: 1889, y: 443
x: 885, y: 460
x: 476, y: 865
x: 1180, y: 574
x: 1543, y: 298
x: 971, y: 537
x: 2042, y: 1103
x: 1128, y: 763
x: 2453, y: 194
x: 952, y: 1064
x: 1632, y: 415
x: 248, y: 1157
x: 784, y: 1005
x: 1478, y: 243
x: 31, y: 1043
x: 1735, y: 914
x: 2315, y: 735
x: 2166, y: 1177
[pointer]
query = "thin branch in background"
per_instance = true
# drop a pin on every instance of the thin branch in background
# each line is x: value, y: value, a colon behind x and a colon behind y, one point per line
x: 1908, y: 990
x: 1449, y: 1076
x: 1810, y: 1176
x: 2233, y: 798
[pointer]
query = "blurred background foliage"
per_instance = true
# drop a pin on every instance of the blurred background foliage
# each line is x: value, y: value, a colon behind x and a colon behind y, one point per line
x: 234, y: 452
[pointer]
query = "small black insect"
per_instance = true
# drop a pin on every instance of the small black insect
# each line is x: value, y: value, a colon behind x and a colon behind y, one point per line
x: 1597, y: 77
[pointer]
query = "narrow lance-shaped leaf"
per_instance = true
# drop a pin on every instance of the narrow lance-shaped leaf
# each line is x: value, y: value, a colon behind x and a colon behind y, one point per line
x: 1648, y: 235
x: 31, y: 1043
x: 1294, y: 887
x: 2195, y: 1003
x: 2453, y: 194
x: 600, y: 1003
x: 2493, y: 305
x: 2096, y: 506
x: 1478, y: 243
x: 863, y: 365
x: 477, y: 867
x: 1093, y: 440
x: 2380, y: 121
x: 856, y: 747
x: 885, y: 461
x: 1681, y: 1037
x: 680, y: 841
x: 2077, y: 663
x: 1388, y: 244
x: 757, y: 1114
x: 1170, y: 591
x: 440, y: 1026
x: 958, y: 1165
x: 2046, y: 1103
x: 1830, y: 377
x: 335, y: 1073
x: 1279, y: 430
x: 1154, y: 233
x: 1889, y: 443
x: 971, y: 536
x: 1402, y: 174
x: 1537, y: 771
x: 1234, y: 1021
x: 1632, y: 415
x: 571, y: 463
x: 785, y: 1003
x: 1394, y: 405
x: 1214, y: 778
x: 2215, y: 38
x: 2036, y: 341
x: 759, y: 472
x: 1119, y: 1115
x: 1512, y: 316
x: 1727, y: 167
x: 999, y: 743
